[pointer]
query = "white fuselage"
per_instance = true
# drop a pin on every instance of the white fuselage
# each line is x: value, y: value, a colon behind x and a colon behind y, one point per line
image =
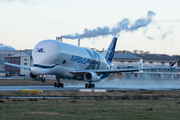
x: 57, y: 58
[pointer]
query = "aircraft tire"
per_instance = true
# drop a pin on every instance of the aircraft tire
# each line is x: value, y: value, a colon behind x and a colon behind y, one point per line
x: 89, y: 86
x: 55, y: 84
x: 62, y: 85
x: 93, y: 85
x: 86, y: 85
x: 58, y: 85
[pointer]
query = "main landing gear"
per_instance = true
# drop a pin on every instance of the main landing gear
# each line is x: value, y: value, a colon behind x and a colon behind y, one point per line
x: 58, y: 83
x: 89, y: 85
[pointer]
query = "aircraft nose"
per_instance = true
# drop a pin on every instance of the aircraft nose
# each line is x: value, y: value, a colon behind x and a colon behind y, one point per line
x: 34, y: 70
x: 42, y: 69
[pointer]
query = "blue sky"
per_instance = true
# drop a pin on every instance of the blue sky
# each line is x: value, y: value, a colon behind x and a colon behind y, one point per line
x: 24, y: 23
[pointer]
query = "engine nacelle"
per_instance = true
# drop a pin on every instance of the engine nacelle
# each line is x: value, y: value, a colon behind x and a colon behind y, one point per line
x: 35, y: 77
x: 91, y: 77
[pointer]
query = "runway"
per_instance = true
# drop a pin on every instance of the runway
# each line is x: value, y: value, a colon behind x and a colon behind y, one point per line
x: 104, y: 85
x: 77, y: 88
x: 49, y: 88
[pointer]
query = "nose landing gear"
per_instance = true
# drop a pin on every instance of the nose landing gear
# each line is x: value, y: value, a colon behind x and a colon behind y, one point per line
x: 43, y: 79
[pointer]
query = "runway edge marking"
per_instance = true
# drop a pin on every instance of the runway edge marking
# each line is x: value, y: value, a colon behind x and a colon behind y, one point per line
x: 37, y: 91
x: 33, y: 91
x: 90, y: 90
x: 85, y: 90
x: 25, y: 90
x: 97, y: 90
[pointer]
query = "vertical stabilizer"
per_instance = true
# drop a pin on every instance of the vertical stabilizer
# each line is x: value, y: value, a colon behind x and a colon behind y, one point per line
x: 109, y: 53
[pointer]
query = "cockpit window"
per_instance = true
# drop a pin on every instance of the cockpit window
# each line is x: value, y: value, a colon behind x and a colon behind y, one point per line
x: 43, y: 66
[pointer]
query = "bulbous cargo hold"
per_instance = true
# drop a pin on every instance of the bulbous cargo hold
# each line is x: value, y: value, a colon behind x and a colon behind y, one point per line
x: 51, y: 52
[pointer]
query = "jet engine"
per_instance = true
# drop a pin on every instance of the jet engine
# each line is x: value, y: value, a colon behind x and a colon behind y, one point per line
x: 35, y: 77
x: 91, y: 77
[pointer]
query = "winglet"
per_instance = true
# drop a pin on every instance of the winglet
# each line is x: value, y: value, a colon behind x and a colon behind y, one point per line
x: 172, y: 64
x: 140, y: 65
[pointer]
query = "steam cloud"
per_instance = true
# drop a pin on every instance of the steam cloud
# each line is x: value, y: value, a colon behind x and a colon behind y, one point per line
x: 123, y: 25
x: 125, y: 84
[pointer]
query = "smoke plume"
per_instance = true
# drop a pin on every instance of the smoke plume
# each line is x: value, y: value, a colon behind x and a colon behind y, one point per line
x: 123, y: 25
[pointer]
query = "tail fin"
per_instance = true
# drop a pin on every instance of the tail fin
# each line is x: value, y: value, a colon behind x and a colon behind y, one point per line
x: 109, y: 53
x: 5, y: 61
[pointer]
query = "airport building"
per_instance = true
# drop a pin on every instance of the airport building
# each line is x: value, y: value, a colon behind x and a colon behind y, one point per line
x: 5, y: 50
x: 123, y: 60
x: 21, y: 58
x: 149, y: 60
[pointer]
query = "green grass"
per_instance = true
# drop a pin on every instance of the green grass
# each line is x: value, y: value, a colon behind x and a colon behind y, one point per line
x: 136, y: 94
x: 89, y: 109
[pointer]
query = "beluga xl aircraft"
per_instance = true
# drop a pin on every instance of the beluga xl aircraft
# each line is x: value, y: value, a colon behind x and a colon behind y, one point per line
x: 70, y: 62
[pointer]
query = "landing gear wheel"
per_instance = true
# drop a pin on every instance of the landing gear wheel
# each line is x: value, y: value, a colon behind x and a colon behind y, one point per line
x: 62, y: 85
x: 86, y: 85
x: 58, y: 85
x: 55, y: 84
x: 89, y: 85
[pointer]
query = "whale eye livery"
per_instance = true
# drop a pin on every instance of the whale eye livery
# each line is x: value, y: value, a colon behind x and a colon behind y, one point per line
x: 70, y: 62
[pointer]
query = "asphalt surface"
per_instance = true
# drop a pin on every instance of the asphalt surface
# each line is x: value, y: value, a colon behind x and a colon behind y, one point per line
x: 48, y: 88
x: 105, y: 85
x: 77, y: 88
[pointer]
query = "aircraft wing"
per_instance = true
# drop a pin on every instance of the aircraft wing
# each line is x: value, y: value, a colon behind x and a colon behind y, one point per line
x: 14, y: 65
x: 107, y: 71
